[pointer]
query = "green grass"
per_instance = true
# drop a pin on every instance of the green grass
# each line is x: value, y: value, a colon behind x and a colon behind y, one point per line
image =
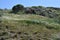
x: 30, y: 19
x: 30, y: 24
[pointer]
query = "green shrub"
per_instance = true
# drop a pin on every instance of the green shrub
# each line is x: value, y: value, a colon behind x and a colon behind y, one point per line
x: 17, y: 8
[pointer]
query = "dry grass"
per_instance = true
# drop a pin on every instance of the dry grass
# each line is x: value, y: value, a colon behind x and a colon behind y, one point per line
x: 28, y: 27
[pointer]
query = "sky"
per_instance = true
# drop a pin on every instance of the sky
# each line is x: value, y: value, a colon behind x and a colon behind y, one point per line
x: 47, y: 3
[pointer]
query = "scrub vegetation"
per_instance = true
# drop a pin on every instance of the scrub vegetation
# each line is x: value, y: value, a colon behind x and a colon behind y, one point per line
x: 30, y: 23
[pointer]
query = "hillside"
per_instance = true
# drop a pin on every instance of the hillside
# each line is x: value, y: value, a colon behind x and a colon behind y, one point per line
x: 23, y: 26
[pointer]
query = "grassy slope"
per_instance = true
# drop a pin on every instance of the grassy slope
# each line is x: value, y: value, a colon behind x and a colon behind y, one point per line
x: 34, y: 25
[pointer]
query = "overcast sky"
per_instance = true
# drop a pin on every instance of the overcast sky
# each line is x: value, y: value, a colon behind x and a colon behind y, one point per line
x: 10, y: 3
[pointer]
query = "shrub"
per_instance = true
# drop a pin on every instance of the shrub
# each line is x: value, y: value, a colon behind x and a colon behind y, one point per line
x: 1, y: 14
x: 34, y: 7
x: 41, y: 7
x: 17, y: 8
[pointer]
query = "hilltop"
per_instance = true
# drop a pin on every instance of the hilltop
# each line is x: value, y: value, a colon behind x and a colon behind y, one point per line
x: 30, y: 23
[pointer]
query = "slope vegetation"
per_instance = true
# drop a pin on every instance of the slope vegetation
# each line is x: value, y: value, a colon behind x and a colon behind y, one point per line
x: 28, y: 27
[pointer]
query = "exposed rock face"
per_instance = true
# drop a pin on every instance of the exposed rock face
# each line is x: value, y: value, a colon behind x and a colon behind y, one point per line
x: 30, y: 11
x: 41, y: 11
